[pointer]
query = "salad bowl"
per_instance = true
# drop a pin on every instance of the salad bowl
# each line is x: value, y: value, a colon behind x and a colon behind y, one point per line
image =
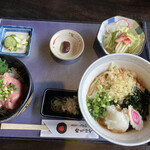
x: 121, y: 35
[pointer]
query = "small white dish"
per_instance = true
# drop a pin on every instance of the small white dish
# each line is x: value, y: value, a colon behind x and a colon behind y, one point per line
x: 131, y: 62
x: 76, y: 44
x: 131, y: 23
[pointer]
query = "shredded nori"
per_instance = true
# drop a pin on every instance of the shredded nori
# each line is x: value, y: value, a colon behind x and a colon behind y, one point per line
x: 140, y: 102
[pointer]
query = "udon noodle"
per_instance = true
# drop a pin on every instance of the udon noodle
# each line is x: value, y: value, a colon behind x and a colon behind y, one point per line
x: 113, y: 95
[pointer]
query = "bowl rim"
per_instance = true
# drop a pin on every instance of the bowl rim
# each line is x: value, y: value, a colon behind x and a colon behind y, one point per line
x: 106, y: 52
x: 70, y: 58
x: 81, y: 107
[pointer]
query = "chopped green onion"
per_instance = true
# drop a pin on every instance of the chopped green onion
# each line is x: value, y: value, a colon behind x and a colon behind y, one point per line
x: 5, y: 91
x: 97, y: 105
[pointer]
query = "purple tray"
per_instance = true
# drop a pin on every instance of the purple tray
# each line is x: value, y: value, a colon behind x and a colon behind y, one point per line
x: 50, y: 72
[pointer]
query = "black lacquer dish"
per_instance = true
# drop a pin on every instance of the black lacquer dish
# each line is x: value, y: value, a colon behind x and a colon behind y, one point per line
x: 61, y: 104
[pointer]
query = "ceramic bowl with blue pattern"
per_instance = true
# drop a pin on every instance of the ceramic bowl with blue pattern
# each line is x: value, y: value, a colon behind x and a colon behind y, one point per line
x: 127, y: 33
x: 20, y: 37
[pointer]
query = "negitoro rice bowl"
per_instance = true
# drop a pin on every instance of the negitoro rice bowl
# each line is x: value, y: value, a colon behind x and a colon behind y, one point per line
x: 16, y: 87
x: 114, y: 98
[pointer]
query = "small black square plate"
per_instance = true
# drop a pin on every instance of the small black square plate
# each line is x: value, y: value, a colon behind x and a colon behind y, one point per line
x: 49, y: 95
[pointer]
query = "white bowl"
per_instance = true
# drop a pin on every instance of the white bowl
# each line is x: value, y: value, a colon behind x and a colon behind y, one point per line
x: 129, y: 61
x: 131, y: 22
x: 75, y: 40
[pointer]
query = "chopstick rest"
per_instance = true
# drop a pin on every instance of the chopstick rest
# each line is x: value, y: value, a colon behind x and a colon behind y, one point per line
x: 11, y: 126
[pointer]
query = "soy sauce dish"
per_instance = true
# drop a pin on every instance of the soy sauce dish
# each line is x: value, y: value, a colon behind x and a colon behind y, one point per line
x: 61, y: 104
x: 16, y: 87
x: 114, y: 98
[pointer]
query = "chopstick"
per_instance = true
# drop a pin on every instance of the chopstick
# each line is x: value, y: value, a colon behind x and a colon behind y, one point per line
x: 11, y: 126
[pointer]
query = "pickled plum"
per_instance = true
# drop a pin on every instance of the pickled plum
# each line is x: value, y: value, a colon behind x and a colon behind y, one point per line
x: 65, y: 47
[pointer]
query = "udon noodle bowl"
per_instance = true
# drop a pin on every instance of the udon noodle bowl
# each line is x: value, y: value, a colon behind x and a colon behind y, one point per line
x: 118, y: 99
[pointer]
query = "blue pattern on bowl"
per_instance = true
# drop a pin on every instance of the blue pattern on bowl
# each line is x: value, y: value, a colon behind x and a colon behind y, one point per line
x: 111, y: 20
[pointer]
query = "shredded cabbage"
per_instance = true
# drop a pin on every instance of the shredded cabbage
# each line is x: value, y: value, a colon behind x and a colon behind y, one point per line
x: 128, y: 45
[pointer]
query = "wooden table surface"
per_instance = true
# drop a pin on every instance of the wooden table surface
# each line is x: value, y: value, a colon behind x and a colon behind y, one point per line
x: 72, y: 10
